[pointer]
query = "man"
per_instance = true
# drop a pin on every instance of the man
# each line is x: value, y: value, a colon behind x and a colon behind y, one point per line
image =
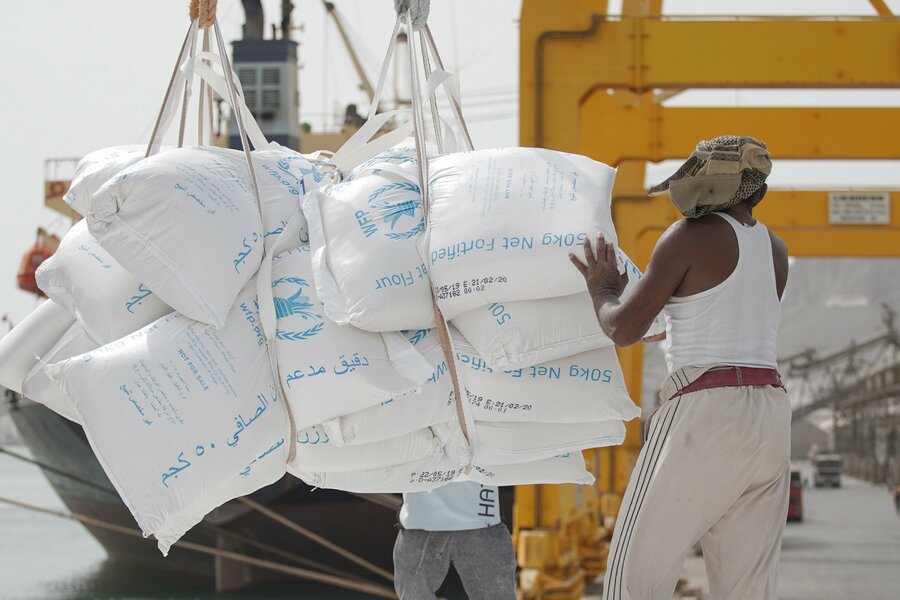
x: 715, y: 467
x: 458, y: 523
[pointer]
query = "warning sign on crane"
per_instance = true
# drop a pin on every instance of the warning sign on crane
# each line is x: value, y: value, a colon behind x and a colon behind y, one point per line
x: 859, y: 208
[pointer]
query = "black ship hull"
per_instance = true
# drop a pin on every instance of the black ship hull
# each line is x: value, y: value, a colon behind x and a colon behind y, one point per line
x: 362, y: 527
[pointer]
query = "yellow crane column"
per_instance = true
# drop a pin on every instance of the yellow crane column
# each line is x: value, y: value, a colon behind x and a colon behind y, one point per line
x: 595, y: 86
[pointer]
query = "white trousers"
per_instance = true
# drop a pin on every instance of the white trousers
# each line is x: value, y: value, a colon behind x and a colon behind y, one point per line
x: 715, y: 468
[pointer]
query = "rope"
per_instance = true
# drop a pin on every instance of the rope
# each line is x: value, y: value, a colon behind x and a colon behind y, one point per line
x: 206, y: 12
x: 417, y: 9
x: 282, y: 520
x: 194, y: 10
x: 60, y: 472
x: 368, y: 588
x: 205, y: 526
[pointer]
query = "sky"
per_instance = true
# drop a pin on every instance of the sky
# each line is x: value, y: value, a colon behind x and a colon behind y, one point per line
x: 82, y: 75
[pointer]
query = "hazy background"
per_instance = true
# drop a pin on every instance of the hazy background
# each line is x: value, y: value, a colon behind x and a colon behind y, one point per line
x: 81, y: 75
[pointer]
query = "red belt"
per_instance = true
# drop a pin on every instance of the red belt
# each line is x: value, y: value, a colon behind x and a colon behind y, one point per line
x: 734, y: 377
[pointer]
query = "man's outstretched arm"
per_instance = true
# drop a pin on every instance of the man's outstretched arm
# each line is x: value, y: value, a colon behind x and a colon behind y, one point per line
x: 626, y: 322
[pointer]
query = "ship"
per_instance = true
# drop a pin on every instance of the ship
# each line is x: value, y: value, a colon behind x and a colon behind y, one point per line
x: 365, y: 527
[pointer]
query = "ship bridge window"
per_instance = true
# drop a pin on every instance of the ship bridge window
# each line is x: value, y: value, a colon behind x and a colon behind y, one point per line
x: 250, y: 98
x: 271, y: 77
x: 247, y: 76
x: 271, y: 99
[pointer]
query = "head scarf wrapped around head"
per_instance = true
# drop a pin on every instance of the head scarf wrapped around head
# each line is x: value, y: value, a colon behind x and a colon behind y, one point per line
x: 718, y: 174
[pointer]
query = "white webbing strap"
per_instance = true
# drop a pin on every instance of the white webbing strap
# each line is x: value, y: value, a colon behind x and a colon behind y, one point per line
x: 200, y: 64
x: 229, y: 89
x: 188, y: 79
x: 455, y: 102
x: 176, y: 83
x: 441, y: 325
x: 382, y: 77
x: 445, y: 136
x: 286, y: 240
x: 220, y: 85
x: 264, y: 277
x: 361, y: 146
x: 204, y: 106
x: 432, y: 99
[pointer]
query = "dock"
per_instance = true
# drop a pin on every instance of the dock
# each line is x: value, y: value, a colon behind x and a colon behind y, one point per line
x: 846, y: 547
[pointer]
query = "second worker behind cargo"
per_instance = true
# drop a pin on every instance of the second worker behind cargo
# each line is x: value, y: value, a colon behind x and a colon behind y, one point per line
x: 715, y: 467
x: 458, y: 523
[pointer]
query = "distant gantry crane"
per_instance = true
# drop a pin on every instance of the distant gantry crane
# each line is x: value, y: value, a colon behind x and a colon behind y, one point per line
x: 596, y: 84
x: 860, y: 385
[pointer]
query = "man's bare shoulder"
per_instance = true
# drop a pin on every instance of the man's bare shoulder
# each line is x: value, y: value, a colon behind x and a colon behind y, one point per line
x: 778, y: 246
x: 691, y: 233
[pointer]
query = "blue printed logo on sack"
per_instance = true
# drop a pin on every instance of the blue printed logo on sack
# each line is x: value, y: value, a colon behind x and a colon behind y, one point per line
x: 402, y: 214
x: 294, y: 184
x: 296, y: 304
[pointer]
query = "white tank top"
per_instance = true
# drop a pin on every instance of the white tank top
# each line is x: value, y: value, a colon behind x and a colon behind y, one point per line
x: 735, y: 322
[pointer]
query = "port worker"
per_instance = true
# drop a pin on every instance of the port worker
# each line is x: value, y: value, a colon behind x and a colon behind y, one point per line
x: 715, y: 467
x: 458, y: 523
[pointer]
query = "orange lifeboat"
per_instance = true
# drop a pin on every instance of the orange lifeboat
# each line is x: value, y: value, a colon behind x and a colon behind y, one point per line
x: 31, y: 260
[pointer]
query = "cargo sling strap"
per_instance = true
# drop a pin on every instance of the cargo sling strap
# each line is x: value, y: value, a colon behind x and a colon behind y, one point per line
x: 189, y: 65
x: 361, y: 147
x: 435, y: 79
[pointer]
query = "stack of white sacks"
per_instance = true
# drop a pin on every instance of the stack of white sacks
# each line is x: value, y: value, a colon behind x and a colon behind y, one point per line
x: 541, y: 379
x: 152, y: 337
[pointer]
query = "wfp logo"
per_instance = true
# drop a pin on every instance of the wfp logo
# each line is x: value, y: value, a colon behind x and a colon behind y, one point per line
x: 295, y: 305
x: 305, y: 167
x: 403, y: 213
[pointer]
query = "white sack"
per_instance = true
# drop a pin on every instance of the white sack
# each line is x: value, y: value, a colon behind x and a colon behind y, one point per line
x: 97, y: 168
x: 186, y: 224
x: 510, y: 443
x: 432, y: 473
x: 563, y: 468
x: 502, y: 223
x: 315, y: 452
x: 367, y: 269
x: 40, y: 388
x: 181, y: 416
x: 522, y: 333
x: 105, y: 298
x: 32, y: 338
x: 418, y: 476
x: 330, y: 370
x: 430, y: 405
x: 400, y: 160
x: 586, y: 387
x: 425, y: 474
x: 284, y: 177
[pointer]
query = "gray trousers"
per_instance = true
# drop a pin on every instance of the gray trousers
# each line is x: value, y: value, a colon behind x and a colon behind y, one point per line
x: 484, y: 559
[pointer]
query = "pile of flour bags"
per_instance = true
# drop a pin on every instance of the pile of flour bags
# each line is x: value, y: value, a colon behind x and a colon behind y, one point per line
x: 152, y: 337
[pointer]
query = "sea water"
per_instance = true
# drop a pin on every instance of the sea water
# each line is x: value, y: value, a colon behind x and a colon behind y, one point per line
x: 44, y: 557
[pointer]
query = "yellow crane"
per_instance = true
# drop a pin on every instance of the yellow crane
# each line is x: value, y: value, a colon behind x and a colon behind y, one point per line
x: 595, y: 84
